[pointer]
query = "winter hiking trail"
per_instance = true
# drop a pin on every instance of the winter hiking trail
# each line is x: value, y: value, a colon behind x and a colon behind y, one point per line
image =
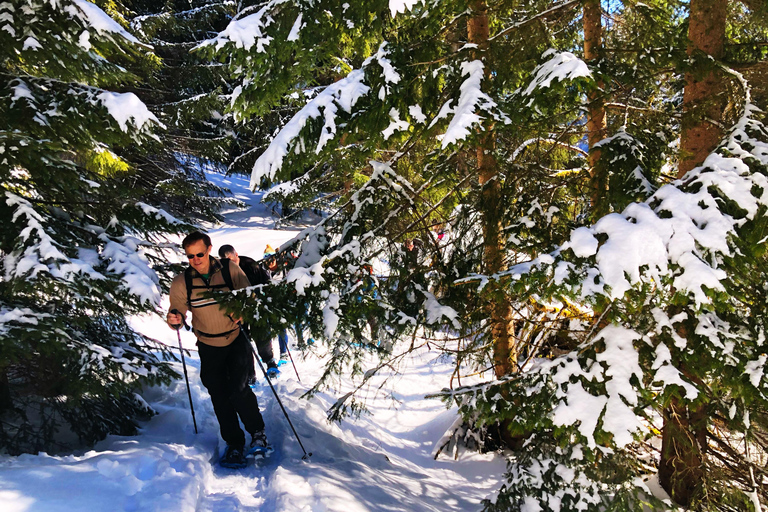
x: 379, y: 462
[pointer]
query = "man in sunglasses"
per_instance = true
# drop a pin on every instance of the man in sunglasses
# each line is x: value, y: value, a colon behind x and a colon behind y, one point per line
x: 225, y: 353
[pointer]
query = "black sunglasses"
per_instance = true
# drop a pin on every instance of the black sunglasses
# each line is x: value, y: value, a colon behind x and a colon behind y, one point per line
x: 199, y: 255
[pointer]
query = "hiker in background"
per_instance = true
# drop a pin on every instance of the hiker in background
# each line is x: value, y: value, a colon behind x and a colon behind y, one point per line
x: 368, y: 287
x: 270, y: 261
x: 286, y: 260
x: 411, y: 253
x: 224, y: 351
x: 252, y: 269
x: 410, y: 277
x: 256, y: 274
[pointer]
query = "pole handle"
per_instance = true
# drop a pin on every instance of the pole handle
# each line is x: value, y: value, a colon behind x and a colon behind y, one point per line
x: 183, y: 320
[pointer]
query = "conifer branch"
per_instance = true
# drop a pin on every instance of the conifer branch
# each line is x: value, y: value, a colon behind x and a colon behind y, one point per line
x: 565, y: 5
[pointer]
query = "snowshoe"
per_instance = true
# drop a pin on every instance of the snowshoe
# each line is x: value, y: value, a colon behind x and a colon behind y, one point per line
x: 261, y: 453
x: 233, y: 458
x: 272, y: 370
x: 259, y: 444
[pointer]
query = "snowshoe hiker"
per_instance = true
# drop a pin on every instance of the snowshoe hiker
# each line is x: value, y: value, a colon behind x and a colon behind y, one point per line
x: 271, y: 266
x: 225, y: 353
x: 256, y: 274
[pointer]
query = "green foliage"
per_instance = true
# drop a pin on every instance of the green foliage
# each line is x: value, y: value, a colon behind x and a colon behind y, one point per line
x: 187, y: 94
x: 79, y: 246
x: 611, y: 321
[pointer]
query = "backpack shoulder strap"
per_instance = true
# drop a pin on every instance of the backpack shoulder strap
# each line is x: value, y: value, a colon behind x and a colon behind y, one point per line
x: 225, y: 273
x: 188, y: 283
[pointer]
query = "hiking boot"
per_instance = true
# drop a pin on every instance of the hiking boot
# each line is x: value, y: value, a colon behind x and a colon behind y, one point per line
x: 258, y: 441
x: 283, y: 359
x: 233, y: 458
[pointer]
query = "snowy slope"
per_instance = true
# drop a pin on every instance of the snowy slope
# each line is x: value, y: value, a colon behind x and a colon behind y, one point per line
x: 379, y: 462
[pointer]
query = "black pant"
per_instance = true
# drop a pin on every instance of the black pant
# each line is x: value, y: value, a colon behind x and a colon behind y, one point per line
x: 263, y: 346
x: 224, y: 372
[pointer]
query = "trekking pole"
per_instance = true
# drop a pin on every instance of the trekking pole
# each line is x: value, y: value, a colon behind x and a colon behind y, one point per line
x: 184, y: 363
x: 306, y: 455
x: 294, y: 364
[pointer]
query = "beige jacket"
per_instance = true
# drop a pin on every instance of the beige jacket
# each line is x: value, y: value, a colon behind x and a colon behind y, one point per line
x: 208, y: 318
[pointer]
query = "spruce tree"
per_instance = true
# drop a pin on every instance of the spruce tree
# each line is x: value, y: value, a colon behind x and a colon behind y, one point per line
x: 602, y: 291
x: 187, y: 94
x: 80, y: 249
x: 423, y: 95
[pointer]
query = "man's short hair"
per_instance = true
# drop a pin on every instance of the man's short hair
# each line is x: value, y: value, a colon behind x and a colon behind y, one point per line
x: 196, y: 236
x: 226, y: 250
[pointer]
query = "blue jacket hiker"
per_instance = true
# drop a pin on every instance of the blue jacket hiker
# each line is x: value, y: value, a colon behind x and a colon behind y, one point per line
x: 272, y: 267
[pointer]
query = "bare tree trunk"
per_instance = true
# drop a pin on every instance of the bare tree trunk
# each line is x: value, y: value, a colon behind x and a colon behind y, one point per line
x: 704, y: 97
x: 596, y: 123
x: 683, y: 449
x: 500, y: 309
x: 504, y: 349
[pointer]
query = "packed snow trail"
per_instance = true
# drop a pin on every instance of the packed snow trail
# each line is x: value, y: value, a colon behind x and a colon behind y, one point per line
x: 379, y: 462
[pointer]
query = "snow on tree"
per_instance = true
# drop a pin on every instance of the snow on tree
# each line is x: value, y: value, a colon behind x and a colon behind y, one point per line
x: 602, y: 292
x: 188, y: 96
x: 79, y: 248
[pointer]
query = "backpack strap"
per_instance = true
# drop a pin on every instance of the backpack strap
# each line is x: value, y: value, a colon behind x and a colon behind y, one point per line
x: 225, y: 273
x: 188, y: 284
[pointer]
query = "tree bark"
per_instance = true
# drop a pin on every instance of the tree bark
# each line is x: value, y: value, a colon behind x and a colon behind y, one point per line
x: 704, y: 97
x: 500, y: 309
x: 683, y: 438
x: 683, y: 453
x: 683, y: 449
x: 596, y: 123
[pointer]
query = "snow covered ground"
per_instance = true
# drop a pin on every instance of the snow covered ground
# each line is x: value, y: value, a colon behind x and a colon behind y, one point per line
x: 379, y: 462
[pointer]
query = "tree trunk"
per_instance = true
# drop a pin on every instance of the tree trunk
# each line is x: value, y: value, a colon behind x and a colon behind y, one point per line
x: 684, y: 433
x: 596, y: 124
x: 683, y: 448
x: 6, y: 402
x: 704, y: 98
x: 500, y: 309
x: 683, y: 439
